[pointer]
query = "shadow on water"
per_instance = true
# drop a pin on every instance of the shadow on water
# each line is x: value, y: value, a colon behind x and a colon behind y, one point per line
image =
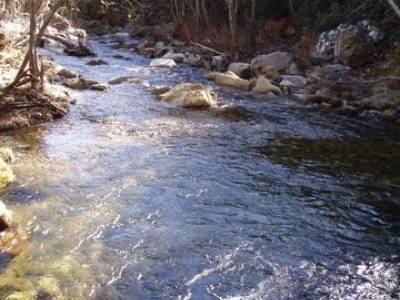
x: 374, y: 157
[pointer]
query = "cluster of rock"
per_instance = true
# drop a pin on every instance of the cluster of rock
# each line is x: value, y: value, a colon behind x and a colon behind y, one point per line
x: 272, y: 74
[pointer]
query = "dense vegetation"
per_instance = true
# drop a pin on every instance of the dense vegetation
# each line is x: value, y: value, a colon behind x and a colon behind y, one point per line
x: 217, y: 20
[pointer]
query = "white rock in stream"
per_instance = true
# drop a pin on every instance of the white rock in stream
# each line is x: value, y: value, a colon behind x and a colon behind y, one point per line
x: 177, y: 57
x: 293, y: 81
x: 229, y: 79
x: 191, y: 95
x: 163, y: 62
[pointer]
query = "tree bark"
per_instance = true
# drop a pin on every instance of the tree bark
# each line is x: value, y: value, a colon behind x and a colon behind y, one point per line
x: 233, y: 7
x: 394, y: 6
x: 253, y: 25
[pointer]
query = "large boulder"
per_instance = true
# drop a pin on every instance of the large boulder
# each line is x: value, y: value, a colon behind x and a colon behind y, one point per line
x: 240, y: 69
x: 263, y: 86
x: 229, y: 79
x: 191, y: 95
x: 353, y: 47
x: 271, y: 65
x: 351, y: 44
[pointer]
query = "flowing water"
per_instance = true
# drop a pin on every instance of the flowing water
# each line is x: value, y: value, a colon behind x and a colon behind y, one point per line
x: 131, y: 198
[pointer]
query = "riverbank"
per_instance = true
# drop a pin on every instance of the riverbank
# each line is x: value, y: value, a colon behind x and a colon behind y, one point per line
x: 354, y: 86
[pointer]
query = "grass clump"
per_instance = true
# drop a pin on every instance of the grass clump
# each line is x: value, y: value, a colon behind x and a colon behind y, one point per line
x: 6, y: 174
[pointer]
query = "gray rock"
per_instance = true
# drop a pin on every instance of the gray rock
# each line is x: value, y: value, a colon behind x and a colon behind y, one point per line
x: 277, y: 61
x: 293, y: 81
x: 177, y: 57
x: 241, y: 69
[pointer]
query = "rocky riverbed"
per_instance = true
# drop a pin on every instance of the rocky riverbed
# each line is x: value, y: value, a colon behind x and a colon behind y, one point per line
x: 251, y: 196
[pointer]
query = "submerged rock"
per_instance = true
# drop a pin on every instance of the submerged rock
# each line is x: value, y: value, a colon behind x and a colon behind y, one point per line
x: 229, y: 79
x: 65, y: 73
x: 124, y: 79
x: 96, y: 62
x: 191, y: 95
x: 26, y: 295
x: 50, y: 287
x: 163, y: 63
x: 263, y: 86
x: 158, y: 90
x: 80, y: 84
x: 100, y: 87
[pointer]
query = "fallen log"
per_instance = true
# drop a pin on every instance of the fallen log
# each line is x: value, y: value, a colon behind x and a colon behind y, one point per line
x: 71, y: 48
x: 207, y: 49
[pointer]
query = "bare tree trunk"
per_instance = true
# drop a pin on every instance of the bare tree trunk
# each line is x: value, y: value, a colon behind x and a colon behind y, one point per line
x: 253, y: 25
x: 233, y: 7
x: 394, y: 6
x: 198, y: 14
x: 32, y: 75
x: 205, y: 13
x: 33, y: 59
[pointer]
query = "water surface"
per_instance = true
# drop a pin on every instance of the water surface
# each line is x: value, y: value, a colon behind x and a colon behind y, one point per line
x: 130, y: 198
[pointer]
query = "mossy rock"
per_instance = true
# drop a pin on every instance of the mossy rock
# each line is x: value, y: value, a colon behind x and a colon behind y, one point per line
x: 28, y: 295
x: 14, y: 288
x: 49, y: 286
x: 6, y: 174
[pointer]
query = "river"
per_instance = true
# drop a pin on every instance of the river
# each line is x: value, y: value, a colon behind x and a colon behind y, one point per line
x: 131, y: 198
